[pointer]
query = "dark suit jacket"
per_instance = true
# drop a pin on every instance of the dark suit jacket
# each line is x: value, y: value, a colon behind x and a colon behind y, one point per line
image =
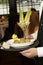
x: 40, y: 33
x: 39, y: 61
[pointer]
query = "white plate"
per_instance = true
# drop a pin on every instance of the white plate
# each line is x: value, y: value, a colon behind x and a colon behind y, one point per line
x: 21, y: 45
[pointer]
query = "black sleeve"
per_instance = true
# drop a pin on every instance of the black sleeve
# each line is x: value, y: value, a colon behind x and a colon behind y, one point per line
x: 40, y: 32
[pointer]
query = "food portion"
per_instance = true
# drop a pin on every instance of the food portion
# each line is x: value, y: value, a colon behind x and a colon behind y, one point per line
x: 24, y: 21
x: 15, y: 37
x: 19, y: 40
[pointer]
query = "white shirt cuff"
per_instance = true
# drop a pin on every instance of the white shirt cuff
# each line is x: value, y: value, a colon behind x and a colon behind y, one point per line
x: 40, y: 51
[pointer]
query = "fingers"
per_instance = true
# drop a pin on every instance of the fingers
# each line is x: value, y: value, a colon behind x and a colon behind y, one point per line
x: 25, y: 51
x: 26, y: 55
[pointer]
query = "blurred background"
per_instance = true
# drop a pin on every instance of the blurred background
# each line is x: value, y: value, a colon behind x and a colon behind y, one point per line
x: 9, y: 11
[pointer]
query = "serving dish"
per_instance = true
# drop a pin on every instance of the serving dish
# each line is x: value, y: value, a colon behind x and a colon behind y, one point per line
x: 10, y: 46
x: 21, y: 45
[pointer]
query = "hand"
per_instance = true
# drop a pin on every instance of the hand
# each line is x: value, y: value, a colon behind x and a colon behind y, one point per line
x: 30, y: 53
